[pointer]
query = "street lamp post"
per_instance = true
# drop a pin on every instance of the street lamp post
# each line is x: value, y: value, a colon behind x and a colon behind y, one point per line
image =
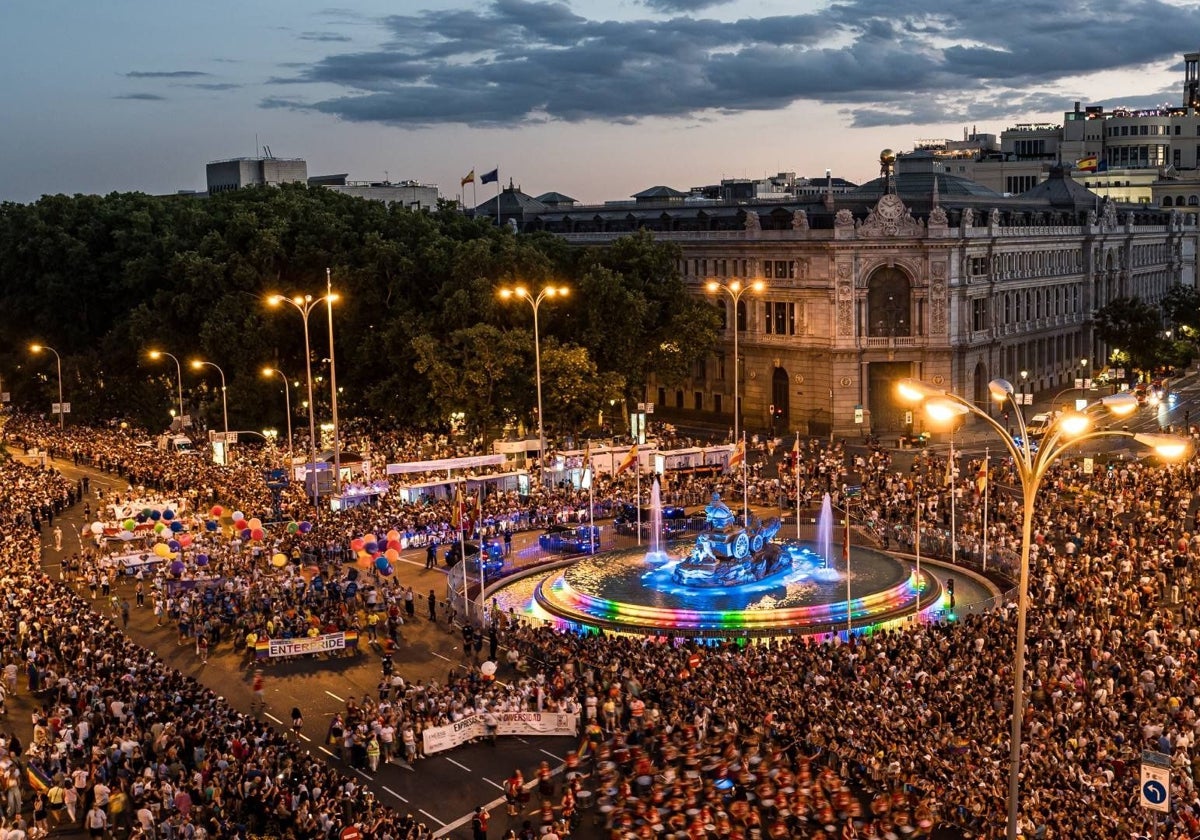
x: 735, y: 290
x: 287, y: 403
x: 38, y: 348
x: 305, y: 305
x: 522, y: 293
x: 330, y: 297
x: 158, y: 354
x: 1083, y: 365
x: 1068, y: 429
x: 200, y: 364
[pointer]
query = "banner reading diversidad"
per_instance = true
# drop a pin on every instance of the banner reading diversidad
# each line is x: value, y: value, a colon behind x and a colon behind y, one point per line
x: 438, y: 738
x: 327, y: 643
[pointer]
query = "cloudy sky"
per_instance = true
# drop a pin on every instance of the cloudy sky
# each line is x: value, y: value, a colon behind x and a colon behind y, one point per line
x: 594, y: 98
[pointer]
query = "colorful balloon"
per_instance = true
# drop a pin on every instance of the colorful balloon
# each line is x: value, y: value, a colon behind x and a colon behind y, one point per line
x: 279, y: 560
x: 155, y: 515
x: 201, y: 559
x: 211, y: 525
x: 293, y: 527
x: 162, y: 550
x: 392, y: 555
x: 185, y: 540
x: 257, y: 534
x: 159, y: 527
x: 97, y: 528
x: 216, y: 511
x: 393, y: 535
x: 168, y: 514
x: 176, y: 526
x: 255, y: 523
x: 357, y: 544
x: 305, y: 527
x: 238, y: 516
x: 372, y: 548
x: 128, y: 524
x: 173, y: 545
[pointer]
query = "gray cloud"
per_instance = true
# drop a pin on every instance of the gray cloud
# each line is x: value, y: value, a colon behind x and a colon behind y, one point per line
x: 215, y: 86
x: 681, y: 6
x: 165, y: 74
x: 141, y: 97
x: 323, y: 37
x: 510, y: 62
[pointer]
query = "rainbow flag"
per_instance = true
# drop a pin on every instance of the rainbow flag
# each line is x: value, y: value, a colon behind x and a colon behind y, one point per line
x: 37, y: 778
x: 262, y: 648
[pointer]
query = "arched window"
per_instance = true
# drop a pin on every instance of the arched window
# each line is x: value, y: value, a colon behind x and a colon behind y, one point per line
x: 1193, y: 201
x: 889, y: 303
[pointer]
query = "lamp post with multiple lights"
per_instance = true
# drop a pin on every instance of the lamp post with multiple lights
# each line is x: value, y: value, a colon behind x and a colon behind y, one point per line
x: 38, y: 348
x: 522, y: 293
x: 305, y: 305
x: 1067, y: 430
x: 735, y: 290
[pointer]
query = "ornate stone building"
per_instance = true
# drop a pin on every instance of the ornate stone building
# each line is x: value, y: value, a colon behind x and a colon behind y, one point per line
x: 918, y: 274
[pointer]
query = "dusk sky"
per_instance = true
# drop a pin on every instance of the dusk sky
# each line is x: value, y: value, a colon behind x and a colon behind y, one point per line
x: 594, y: 99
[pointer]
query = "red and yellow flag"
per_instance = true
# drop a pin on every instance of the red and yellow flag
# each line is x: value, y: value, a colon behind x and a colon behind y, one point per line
x: 631, y: 458
x: 738, y: 456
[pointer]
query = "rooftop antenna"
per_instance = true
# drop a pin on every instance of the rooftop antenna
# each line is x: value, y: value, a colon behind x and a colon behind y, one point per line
x: 256, y: 146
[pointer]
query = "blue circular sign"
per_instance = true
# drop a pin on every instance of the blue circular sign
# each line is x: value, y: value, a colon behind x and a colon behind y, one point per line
x: 1154, y: 792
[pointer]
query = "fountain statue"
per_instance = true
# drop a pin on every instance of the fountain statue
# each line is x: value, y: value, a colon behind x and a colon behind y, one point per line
x: 727, y: 554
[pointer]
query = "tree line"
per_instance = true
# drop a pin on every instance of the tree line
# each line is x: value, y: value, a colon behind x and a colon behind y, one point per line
x: 420, y: 332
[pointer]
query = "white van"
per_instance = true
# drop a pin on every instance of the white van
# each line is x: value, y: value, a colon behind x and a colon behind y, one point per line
x: 1039, y: 424
x: 179, y: 444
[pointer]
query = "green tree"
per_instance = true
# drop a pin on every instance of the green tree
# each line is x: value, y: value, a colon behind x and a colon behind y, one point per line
x: 1133, y: 327
x: 574, y: 391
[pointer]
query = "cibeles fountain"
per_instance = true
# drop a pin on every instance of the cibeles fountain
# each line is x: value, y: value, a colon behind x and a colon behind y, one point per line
x: 733, y: 579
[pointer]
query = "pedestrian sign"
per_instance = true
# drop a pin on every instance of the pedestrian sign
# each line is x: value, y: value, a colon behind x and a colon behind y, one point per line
x: 1156, y: 781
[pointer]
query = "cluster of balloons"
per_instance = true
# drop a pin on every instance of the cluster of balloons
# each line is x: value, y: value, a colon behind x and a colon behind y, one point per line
x: 384, y: 555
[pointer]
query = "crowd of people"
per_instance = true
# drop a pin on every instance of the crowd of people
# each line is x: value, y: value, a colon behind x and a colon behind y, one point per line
x: 885, y: 734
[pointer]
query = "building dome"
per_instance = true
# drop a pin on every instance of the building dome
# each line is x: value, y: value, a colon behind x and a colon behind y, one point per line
x: 919, y: 185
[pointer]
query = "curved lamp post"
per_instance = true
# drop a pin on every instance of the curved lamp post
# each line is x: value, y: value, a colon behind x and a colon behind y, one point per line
x: 287, y: 402
x: 38, y: 348
x: 158, y: 354
x: 521, y: 293
x: 305, y: 304
x: 735, y: 290
x: 1068, y: 429
x: 200, y: 364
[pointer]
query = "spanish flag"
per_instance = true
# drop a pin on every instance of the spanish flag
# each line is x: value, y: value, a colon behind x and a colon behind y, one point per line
x: 630, y: 459
x: 1086, y: 164
x: 587, y: 458
x: 738, y: 456
x: 982, y: 477
x: 469, y: 178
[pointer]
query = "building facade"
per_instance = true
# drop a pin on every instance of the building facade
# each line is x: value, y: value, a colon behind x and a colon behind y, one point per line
x: 918, y: 274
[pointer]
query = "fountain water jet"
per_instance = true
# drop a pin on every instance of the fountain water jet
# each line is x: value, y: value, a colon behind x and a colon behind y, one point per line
x: 827, y: 574
x: 656, y: 526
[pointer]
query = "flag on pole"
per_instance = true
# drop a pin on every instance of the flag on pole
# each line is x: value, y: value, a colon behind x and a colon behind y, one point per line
x: 629, y: 460
x: 587, y: 457
x: 738, y: 456
x: 38, y: 779
x: 477, y: 514
x: 489, y: 177
x: 456, y: 513
x: 981, y: 479
x: 469, y: 178
x: 950, y: 467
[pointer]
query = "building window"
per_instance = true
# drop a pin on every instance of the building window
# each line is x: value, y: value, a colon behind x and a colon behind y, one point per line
x: 720, y: 368
x: 662, y: 396
x: 698, y: 400
x: 781, y: 318
x: 717, y: 403
x: 679, y: 398
x: 741, y: 316
x: 979, y: 266
x: 979, y: 314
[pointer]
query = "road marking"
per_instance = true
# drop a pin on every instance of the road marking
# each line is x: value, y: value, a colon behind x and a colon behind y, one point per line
x: 361, y: 773
x: 456, y: 764
x: 327, y: 752
x: 393, y: 793
x: 552, y: 755
x: 522, y: 740
x: 493, y: 784
x: 335, y: 697
x: 439, y: 656
x: 272, y: 717
x: 305, y: 737
x: 439, y: 822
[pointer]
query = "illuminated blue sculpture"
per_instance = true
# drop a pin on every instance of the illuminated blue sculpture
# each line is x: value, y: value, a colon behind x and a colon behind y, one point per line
x: 727, y: 554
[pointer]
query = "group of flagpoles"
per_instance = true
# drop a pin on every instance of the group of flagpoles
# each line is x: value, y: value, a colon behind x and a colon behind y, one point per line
x: 917, y: 544
x: 745, y: 484
x: 953, y: 496
x: 846, y: 553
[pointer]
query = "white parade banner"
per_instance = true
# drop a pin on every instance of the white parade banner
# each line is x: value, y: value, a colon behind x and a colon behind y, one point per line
x: 438, y: 738
x: 311, y: 644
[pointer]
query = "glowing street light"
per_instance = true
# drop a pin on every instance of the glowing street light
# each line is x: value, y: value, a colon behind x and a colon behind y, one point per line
x: 1068, y: 429
x: 158, y: 354
x: 287, y: 401
x: 200, y: 364
x: 38, y: 348
x: 522, y: 293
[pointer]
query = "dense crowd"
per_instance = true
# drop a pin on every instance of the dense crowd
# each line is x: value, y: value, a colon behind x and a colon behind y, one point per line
x: 711, y: 740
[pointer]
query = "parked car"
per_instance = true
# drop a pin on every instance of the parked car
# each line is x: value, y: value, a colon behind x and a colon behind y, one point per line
x: 493, y: 561
x: 571, y: 539
x: 674, y: 518
x: 1040, y: 423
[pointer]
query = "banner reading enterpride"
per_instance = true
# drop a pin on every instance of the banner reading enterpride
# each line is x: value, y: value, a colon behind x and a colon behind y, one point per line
x: 438, y: 738
x: 309, y: 644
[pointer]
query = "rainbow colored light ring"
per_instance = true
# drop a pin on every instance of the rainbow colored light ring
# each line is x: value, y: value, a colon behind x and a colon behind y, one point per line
x: 558, y: 598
